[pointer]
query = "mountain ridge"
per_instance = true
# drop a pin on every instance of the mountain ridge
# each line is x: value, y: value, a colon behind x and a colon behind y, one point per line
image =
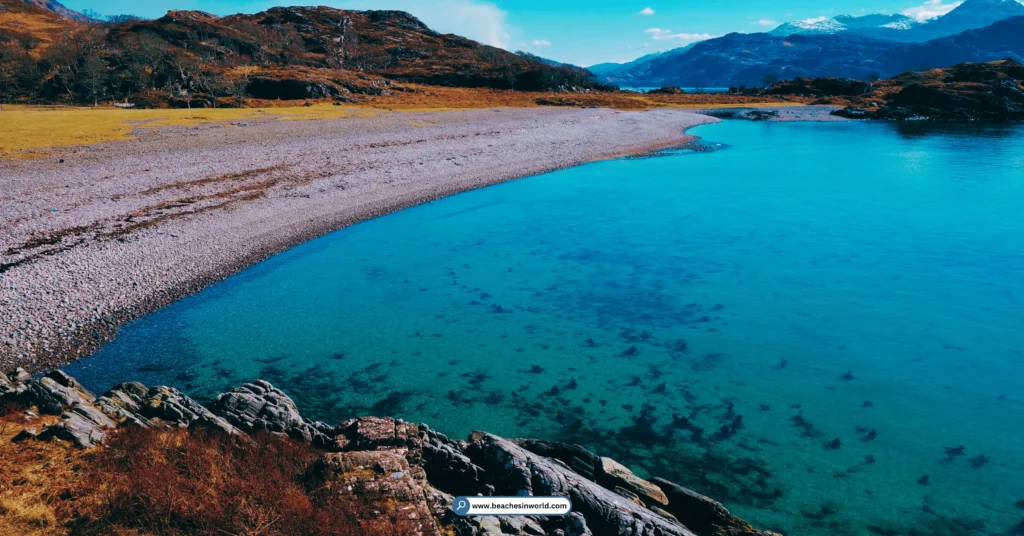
x: 748, y: 59
x: 188, y: 58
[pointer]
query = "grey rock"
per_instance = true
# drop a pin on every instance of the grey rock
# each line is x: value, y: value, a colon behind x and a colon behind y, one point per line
x: 513, y: 470
x: 376, y: 433
x: 578, y: 458
x: 128, y: 396
x: 448, y: 468
x: 118, y: 413
x: 172, y: 406
x: 20, y: 376
x: 260, y: 406
x: 704, y: 516
x: 63, y: 379
x: 51, y: 397
x: 79, y: 428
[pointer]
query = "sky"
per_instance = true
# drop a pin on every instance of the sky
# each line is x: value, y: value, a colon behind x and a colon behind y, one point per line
x: 581, y: 32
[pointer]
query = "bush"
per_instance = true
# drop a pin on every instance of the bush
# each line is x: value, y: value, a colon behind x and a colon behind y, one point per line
x: 205, y: 483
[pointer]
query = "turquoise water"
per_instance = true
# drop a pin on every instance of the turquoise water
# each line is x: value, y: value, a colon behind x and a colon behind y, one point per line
x: 718, y: 317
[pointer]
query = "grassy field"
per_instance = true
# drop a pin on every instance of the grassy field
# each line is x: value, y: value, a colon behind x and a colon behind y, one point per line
x: 34, y: 131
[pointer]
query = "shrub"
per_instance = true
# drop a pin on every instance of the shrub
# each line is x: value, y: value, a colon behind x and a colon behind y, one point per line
x: 205, y: 483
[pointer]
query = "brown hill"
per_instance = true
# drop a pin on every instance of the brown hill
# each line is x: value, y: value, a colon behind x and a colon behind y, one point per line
x: 30, y: 26
x: 58, y: 8
x: 192, y: 58
x: 991, y: 91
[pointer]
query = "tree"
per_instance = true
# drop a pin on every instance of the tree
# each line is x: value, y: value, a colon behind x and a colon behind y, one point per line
x: 770, y: 80
x: 148, y: 50
x: 10, y: 62
x: 94, y: 75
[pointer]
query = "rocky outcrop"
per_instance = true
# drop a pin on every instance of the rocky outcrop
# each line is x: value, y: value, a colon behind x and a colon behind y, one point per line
x: 415, y: 469
x: 821, y: 87
x: 259, y: 406
x: 965, y: 92
x: 667, y: 90
x: 387, y: 474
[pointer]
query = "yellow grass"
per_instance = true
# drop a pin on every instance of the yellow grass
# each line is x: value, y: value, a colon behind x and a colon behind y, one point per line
x: 29, y: 131
x: 24, y: 130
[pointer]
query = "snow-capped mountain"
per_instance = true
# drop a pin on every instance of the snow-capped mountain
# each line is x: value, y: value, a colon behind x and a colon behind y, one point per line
x: 846, y: 23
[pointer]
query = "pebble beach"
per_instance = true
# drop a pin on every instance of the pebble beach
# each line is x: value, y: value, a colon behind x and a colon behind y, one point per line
x: 93, y: 237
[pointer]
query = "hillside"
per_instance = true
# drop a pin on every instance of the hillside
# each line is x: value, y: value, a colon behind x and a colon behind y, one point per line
x: 30, y: 26
x: 192, y: 58
x: 991, y: 91
x: 58, y: 8
x: 748, y: 59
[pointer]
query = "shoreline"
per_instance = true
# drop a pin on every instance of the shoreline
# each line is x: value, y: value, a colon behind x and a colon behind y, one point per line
x: 122, y: 247
x: 177, y: 216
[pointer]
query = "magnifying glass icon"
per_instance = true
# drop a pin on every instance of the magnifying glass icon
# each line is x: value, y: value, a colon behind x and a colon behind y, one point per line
x: 461, y: 506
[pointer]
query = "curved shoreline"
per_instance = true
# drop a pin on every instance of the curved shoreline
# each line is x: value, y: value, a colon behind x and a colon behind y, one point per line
x: 178, y: 215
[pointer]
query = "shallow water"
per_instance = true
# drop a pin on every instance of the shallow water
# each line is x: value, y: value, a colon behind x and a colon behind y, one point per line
x: 716, y: 317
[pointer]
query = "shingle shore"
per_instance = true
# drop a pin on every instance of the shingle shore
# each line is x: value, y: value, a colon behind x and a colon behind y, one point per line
x: 94, y: 237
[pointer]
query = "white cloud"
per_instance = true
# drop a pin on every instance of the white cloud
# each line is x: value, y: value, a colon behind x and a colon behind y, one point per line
x: 930, y: 9
x: 647, y: 11
x: 663, y: 34
x: 541, y: 43
x: 814, y: 20
x: 767, y: 22
x: 476, y: 19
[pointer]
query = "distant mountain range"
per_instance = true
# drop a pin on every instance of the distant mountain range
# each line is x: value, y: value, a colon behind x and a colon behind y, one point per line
x: 859, y: 47
x: 868, y: 24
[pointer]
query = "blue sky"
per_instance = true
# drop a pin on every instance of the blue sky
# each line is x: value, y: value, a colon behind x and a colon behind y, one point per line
x: 583, y: 32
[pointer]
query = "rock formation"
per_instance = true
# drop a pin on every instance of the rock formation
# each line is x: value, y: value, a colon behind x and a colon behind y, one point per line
x: 414, y: 467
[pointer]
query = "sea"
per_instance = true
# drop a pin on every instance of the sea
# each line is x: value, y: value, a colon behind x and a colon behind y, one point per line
x: 820, y: 325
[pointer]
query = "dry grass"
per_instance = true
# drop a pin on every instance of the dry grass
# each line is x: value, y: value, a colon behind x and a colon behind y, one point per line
x: 19, y: 20
x: 177, y: 483
x: 30, y: 131
x: 31, y: 128
x: 33, y: 478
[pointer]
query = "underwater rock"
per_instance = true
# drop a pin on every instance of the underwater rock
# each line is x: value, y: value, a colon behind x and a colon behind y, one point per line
x: 979, y: 461
x: 834, y: 444
x: 954, y: 452
x: 632, y: 351
x: 924, y: 480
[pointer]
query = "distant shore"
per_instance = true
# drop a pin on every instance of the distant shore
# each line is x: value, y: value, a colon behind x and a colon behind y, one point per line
x: 97, y: 236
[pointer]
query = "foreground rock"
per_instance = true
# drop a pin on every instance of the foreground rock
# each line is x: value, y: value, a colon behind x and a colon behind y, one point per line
x: 414, y: 468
